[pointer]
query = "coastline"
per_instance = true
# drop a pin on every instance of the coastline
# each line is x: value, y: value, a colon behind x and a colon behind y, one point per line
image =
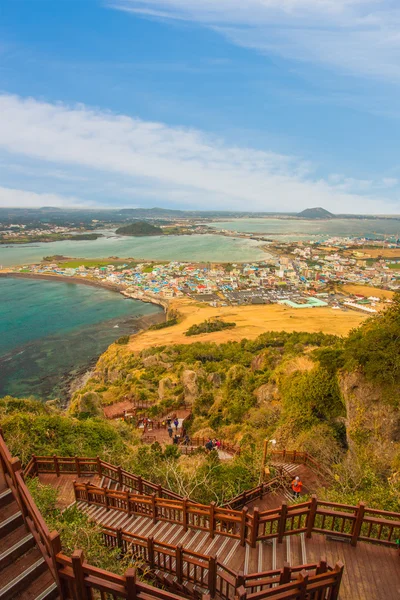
x: 71, y: 381
x: 91, y: 282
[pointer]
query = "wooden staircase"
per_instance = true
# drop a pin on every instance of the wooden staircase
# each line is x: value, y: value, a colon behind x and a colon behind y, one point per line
x: 24, y: 573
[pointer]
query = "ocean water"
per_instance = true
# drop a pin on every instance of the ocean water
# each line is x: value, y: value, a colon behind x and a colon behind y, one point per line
x: 296, y: 229
x: 184, y: 248
x: 51, y: 331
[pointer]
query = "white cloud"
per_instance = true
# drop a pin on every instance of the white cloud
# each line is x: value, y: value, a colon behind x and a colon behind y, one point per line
x: 10, y: 197
x: 186, y: 165
x: 357, y: 36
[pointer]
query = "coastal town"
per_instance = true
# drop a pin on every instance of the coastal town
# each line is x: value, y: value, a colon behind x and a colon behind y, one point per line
x: 297, y: 274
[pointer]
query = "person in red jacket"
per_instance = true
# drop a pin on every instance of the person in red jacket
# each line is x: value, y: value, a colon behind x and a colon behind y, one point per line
x: 296, y: 487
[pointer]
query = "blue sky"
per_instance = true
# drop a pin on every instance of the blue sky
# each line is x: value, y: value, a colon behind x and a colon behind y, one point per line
x: 229, y: 104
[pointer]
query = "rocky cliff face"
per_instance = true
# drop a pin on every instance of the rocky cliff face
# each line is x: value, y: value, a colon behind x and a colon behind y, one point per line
x: 371, y: 420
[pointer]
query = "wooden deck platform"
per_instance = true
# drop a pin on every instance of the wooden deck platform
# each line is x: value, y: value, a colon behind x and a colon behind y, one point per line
x: 374, y: 569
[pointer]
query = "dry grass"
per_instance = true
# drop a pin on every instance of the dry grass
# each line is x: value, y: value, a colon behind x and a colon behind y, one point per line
x: 375, y: 252
x: 367, y: 290
x: 251, y: 321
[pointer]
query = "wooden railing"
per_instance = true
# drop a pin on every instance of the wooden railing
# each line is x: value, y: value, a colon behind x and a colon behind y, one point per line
x: 209, y: 518
x: 356, y: 523
x: 48, y: 542
x: 206, y: 571
x: 196, y: 442
x: 77, y: 580
x: 81, y: 581
x: 296, y: 457
x: 282, y: 479
x: 91, y: 466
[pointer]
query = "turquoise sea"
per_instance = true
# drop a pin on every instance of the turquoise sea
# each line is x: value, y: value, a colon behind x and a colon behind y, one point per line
x: 52, y: 331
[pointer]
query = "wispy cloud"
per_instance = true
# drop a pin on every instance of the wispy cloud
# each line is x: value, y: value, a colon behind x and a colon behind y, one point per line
x: 10, y: 197
x: 355, y: 36
x: 183, y: 165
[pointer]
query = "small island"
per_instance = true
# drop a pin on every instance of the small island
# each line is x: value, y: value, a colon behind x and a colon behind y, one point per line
x: 139, y: 228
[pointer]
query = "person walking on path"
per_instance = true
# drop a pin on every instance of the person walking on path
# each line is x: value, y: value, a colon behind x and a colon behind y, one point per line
x: 176, y: 423
x: 170, y: 431
x: 296, y: 487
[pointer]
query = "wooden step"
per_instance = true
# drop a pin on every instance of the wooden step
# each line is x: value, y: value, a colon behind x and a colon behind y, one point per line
x: 12, y: 538
x: 11, y: 518
x: 42, y: 588
x: 21, y: 546
x: 21, y: 573
x: 6, y: 497
x: 295, y: 551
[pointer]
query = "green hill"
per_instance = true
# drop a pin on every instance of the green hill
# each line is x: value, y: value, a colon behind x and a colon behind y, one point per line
x: 316, y: 213
x: 139, y: 228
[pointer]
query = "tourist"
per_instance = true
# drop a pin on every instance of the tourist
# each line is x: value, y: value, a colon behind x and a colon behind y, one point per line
x: 296, y: 487
x: 209, y: 444
x: 170, y: 431
x: 176, y: 423
x: 176, y: 439
x: 186, y: 440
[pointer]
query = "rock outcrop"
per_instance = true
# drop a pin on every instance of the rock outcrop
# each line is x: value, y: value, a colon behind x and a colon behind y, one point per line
x: 190, y: 387
x: 370, y: 418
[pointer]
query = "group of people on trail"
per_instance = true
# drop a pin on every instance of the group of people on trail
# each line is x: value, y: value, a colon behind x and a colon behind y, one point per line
x: 212, y: 444
x: 175, y: 422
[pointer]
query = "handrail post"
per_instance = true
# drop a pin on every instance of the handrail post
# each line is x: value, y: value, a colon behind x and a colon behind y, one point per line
x: 154, y: 508
x: 128, y: 502
x: 243, y: 526
x: 282, y: 522
x: 77, y: 466
x: 212, y: 519
x: 75, y: 491
x: 179, y: 562
x: 357, y: 524
x: 254, y: 531
x: 119, y: 538
x: 140, y: 485
x: 294, y: 455
x: 119, y: 470
x: 98, y: 461
x: 159, y: 491
x: 286, y: 574
x: 79, y: 576
x: 212, y: 575
x: 184, y: 514
x: 87, y: 492
x: 240, y: 593
x: 303, y: 584
x: 322, y: 567
x: 56, y: 465
x: 36, y: 468
x: 150, y: 551
x: 55, y: 545
x: 336, y: 586
x: 130, y: 577
x: 312, y: 511
x: 106, y: 499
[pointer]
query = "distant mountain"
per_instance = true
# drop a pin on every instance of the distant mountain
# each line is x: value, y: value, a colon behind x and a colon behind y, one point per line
x: 139, y: 228
x: 316, y: 213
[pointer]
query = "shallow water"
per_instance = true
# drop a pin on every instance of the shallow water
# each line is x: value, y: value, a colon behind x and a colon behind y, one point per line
x: 51, y: 331
x: 178, y: 248
x: 296, y: 229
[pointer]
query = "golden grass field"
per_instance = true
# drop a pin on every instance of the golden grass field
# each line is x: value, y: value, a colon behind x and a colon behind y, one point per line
x: 375, y: 252
x: 366, y: 290
x: 250, y: 321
